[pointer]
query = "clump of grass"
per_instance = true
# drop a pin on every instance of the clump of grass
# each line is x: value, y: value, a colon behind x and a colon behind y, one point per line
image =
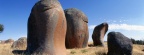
x: 73, y: 52
x: 84, y: 51
x: 100, y: 53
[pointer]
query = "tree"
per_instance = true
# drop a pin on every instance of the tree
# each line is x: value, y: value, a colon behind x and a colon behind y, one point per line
x: 133, y: 41
x: 141, y: 42
x: 1, y: 28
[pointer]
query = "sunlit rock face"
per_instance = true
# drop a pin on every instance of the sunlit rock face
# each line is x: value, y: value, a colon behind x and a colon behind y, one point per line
x: 46, y: 29
x: 99, y: 33
x: 77, y: 29
x: 118, y: 44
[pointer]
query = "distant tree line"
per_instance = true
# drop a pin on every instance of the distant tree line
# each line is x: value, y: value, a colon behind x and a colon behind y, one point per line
x: 1, y: 28
x: 140, y: 42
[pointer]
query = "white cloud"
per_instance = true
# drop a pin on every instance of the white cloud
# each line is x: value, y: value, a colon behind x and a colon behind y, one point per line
x: 123, y: 27
x: 126, y: 27
x: 115, y: 21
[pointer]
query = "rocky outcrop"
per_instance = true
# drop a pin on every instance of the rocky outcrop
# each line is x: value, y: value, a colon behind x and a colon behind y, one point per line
x: 1, y: 41
x: 99, y: 33
x: 46, y: 29
x: 118, y: 44
x: 77, y: 29
x: 20, y: 44
x: 9, y: 41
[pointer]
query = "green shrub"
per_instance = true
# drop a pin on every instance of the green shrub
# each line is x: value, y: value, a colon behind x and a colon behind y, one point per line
x: 72, y: 52
x: 84, y: 51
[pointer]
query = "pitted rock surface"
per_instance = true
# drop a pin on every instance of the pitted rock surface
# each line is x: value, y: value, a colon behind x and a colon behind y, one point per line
x: 77, y: 28
x: 46, y: 29
x: 118, y: 44
x: 99, y: 33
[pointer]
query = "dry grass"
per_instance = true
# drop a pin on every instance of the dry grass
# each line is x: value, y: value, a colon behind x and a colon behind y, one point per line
x: 5, y: 49
x: 137, y: 49
x: 88, y: 51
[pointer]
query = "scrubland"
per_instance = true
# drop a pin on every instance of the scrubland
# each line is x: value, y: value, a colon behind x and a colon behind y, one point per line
x: 5, y: 49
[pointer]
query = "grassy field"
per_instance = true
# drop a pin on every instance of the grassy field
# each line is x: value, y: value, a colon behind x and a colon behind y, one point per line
x: 5, y: 49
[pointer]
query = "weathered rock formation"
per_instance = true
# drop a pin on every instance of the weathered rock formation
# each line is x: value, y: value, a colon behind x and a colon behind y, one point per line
x: 47, y: 29
x: 1, y: 42
x: 20, y: 44
x: 9, y: 41
x: 99, y: 33
x: 118, y: 44
x: 77, y: 29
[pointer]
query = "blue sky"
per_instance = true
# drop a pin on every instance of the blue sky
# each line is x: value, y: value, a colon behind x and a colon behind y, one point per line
x: 125, y: 16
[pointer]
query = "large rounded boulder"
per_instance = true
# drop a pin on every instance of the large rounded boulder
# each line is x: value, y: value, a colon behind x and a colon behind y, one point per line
x: 77, y: 29
x: 46, y: 29
x: 20, y: 44
x: 118, y: 44
x: 99, y: 33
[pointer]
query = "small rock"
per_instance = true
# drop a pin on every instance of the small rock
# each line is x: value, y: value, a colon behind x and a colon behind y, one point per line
x: 20, y: 44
